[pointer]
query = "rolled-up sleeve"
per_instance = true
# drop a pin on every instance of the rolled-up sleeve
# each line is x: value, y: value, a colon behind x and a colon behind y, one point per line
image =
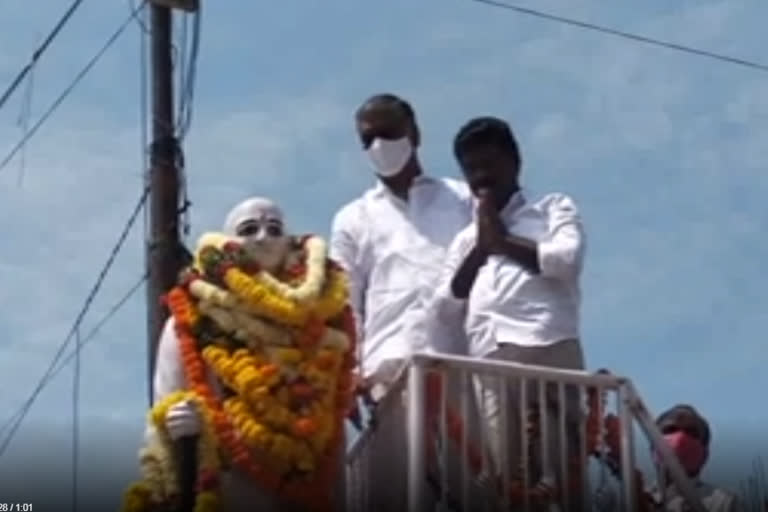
x: 445, y: 314
x: 345, y: 250
x: 561, y: 251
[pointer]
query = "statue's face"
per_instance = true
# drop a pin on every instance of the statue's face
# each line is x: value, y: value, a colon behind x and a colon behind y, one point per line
x: 264, y: 240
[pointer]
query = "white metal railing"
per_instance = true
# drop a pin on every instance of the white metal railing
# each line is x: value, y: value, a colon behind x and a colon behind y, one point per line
x: 439, y: 440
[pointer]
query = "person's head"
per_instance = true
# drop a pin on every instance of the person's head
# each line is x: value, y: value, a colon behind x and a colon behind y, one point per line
x: 386, y: 126
x: 489, y: 157
x: 688, y: 434
x: 258, y: 223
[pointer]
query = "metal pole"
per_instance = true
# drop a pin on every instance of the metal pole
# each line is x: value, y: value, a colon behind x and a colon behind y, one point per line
x: 163, y: 244
x: 630, y: 490
x: 417, y: 468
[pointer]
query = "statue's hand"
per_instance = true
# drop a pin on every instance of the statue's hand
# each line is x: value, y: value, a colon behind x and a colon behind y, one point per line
x: 182, y: 420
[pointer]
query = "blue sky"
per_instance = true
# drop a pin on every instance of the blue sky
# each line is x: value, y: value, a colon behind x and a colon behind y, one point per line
x: 664, y: 152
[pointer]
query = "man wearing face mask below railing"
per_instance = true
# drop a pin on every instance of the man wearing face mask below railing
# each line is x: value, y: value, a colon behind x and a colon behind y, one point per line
x: 688, y: 435
x: 391, y: 241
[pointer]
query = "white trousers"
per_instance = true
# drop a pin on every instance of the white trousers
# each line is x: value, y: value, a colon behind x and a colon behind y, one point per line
x: 566, y: 354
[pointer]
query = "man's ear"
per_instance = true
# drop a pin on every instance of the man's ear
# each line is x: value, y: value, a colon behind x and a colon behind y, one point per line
x: 415, y: 135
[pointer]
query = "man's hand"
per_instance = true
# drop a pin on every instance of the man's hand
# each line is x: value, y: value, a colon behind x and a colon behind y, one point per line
x: 182, y: 420
x: 491, y: 232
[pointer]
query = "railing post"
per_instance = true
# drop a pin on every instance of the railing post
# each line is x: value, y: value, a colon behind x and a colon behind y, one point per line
x: 626, y: 427
x: 416, y: 430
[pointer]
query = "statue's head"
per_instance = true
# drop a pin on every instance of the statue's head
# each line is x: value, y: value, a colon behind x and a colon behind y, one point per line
x: 258, y: 223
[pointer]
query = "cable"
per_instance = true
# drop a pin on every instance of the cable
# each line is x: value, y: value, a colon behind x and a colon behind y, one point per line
x: 626, y: 35
x: 76, y: 421
x: 39, y: 52
x: 78, y: 320
x: 144, y: 115
x: 189, y: 74
x: 141, y: 22
x: 78, y: 78
x: 187, y: 66
x: 86, y: 340
x: 24, y: 117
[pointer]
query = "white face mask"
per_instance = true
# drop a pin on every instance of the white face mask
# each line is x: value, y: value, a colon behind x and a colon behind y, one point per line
x: 390, y: 156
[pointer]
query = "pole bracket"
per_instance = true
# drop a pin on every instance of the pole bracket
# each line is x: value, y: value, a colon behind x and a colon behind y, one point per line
x: 181, y: 5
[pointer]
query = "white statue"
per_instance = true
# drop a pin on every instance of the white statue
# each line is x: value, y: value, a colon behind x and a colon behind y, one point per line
x: 256, y: 365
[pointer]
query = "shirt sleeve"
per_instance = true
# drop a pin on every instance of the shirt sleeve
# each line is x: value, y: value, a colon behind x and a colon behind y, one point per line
x: 445, y: 314
x: 561, y: 252
x: 346, y: 251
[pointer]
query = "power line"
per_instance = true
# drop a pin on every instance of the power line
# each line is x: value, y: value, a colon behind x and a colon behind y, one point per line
x: 86, y: 340
x: 78, y: 320
x: 71, y: 87
x: 39, y: 52
x: 188, y: 72
x: 76, y: 421
x: 626, y: 35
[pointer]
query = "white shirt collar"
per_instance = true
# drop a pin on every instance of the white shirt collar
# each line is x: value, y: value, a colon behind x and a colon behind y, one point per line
x: 513, y: 204
x: 381, y: 189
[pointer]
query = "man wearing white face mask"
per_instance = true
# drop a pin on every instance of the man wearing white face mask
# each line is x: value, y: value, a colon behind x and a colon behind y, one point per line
x: 259, y: 223
x: 391, y: 241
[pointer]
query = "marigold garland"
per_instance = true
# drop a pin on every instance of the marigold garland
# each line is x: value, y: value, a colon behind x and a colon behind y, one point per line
x: 284, y: 345
x: 596, y: 424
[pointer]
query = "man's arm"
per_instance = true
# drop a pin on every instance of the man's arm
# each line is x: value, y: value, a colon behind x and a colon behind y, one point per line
x: 446, y: 311
x: 561, y: 252
x: 464, y: 276
x: 493, y: 237
x: 558, y: 255
x: 345, y: 250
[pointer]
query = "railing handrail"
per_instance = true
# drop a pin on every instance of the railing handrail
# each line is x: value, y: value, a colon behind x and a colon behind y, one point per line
x: 631, y: 402
x: 512, y: 369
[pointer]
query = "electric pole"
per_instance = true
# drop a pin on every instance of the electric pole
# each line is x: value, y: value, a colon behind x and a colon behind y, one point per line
x: 163, y: 247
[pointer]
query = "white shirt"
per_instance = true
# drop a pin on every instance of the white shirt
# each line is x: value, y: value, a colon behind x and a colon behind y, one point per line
x: 393, y: 251
x: 507, y: 303
x: 714, y: 499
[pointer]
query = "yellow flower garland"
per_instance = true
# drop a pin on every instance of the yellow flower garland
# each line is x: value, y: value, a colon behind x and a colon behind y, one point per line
x: 261, y: 296
x: 310, y: 287
x: 256, y: 294
x: 312, y: 284
x: 261, y: 415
